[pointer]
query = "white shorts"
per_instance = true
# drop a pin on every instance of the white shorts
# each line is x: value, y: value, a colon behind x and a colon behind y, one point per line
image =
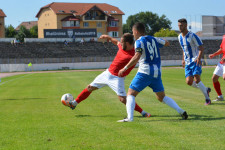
x: 220, y: 69
x: 114, y: 82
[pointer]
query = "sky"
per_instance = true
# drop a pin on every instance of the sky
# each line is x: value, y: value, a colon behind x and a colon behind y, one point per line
x: 18, y: 11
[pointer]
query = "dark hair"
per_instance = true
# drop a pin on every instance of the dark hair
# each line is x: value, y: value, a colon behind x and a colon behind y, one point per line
x: 127, y: 37
x: 140, y: 27
x: 183, y: 20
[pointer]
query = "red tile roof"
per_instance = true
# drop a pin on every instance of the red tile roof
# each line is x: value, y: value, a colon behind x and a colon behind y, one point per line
x: 81, y: 8
x: 28, y: 24
x: 2, y: 14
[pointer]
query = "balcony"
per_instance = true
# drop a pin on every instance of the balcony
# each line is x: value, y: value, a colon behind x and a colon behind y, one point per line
x: 89, y: 18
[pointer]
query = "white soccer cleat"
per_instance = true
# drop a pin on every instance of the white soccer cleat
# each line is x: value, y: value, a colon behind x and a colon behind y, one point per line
x: 125, y: 120
x: 218, y: 99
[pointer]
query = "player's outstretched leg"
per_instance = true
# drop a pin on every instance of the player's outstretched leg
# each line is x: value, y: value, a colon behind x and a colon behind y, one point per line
x: 170, y: 102
x: 205, y: 91
x: 82, y: 96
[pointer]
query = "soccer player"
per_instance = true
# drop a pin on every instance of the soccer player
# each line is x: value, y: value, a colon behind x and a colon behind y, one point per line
x: 219, y: 71
x: 192, y: 52
x: 149, y: 71
x: 110, y: 76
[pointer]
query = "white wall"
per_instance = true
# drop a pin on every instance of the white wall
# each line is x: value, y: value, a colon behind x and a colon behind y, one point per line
x: 84, y: 65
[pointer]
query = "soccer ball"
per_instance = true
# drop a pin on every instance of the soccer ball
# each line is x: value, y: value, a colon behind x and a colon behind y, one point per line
x: 66, y: 98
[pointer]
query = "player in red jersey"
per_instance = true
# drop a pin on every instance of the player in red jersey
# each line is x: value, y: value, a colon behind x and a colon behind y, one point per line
x: 110, y: 76
x: 219, y: 71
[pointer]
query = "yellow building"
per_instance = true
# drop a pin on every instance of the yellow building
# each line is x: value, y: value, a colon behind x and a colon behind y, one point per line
x: 2, y: 24
x: 105, y: 18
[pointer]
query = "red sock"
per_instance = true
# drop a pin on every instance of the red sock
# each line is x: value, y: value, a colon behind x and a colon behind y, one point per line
x: 138, y: 108
x: 83, y: 95
x: 217, y: 88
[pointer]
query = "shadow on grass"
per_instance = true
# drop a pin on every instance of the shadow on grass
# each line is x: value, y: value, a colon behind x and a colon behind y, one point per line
x: 13, y: 99
x: 82, y: 116
x: 191, y: 117
x: 217, y: 103
x: 93, y: 116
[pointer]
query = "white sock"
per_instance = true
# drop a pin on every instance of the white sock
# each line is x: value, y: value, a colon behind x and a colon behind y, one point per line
x: 170, y: 102
x: 221, y: 96
x: 130, y: 107
x: 194, y: 84
x: 203, y: 89
x: 74, y: 103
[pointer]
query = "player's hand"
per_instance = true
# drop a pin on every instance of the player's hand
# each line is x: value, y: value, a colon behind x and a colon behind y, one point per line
x: 222, y: 60
x: 198, y: 62
x: 211, y: 56
x: 104, y: 36
x: 120, y: 74
x: 183, y: 63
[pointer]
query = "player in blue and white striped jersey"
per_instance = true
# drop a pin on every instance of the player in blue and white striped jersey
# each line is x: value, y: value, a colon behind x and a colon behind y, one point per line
x: 192, y: 53
x: 149, y: 71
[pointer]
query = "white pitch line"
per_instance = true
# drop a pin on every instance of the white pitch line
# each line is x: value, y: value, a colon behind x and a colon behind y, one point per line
x: 15, y: 79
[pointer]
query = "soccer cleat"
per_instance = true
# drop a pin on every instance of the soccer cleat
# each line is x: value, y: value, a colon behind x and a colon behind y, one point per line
x: 125, y: 120
x: 184, y: 115
x: 218, y: 99
x: 147, y: 115
x: 207, y: 102
x: 71, y: 105
x: 208, y: 90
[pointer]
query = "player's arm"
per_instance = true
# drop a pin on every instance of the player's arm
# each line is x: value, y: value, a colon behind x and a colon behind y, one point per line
x: 131, y: 63
x: 201, y: 50
x: 113, y: 40
x: 220, y: 51
x: 162, y: 42
x: 167, y: 43
x: 183, y: 61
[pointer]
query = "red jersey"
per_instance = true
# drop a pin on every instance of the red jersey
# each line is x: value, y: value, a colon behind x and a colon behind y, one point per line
x: 120, y: 61
x: 222, y: 46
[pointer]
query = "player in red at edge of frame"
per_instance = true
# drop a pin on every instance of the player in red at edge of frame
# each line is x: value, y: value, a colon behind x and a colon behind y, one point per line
x: 219, y: 70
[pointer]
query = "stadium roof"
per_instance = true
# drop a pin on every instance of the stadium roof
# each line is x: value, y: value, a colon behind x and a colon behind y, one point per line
x: 2, y: 14
x: 81, y: 8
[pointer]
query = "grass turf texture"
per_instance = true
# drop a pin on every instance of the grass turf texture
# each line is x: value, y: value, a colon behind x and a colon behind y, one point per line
x: 32, y: 116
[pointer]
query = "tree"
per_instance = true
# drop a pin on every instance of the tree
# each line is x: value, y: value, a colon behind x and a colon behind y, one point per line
x: 166, y: 33
x: 23, y: 33
x: 34, y: 31
x: 152, y: 22
x: 10, y: 32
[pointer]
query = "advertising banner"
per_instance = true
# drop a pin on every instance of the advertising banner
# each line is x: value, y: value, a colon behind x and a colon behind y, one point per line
x: 69, y: 33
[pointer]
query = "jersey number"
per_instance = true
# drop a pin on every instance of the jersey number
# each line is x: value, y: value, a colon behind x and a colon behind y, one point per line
x: 152, y: 49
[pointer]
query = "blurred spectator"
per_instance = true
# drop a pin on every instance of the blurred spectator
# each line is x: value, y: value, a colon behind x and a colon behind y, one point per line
x: 74, y: 38
x: 66, y: 43
x: 82, y: 41
x: 92, y: 40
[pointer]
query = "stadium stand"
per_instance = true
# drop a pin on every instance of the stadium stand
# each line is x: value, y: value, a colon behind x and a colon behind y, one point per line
x: 57, y: 52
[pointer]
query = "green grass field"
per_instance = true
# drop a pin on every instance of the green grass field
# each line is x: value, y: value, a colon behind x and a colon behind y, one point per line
x: 33, y: 118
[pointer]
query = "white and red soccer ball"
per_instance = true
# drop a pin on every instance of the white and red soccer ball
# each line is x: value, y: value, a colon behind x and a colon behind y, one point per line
x: 66, y: 98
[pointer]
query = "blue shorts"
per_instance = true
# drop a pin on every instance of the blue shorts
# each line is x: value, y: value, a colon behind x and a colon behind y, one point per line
x: 192, y: 69
x: 142, y: 80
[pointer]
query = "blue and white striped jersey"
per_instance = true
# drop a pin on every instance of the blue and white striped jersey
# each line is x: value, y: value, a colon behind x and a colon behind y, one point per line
x: 190, y: 43
x: 150, y: 61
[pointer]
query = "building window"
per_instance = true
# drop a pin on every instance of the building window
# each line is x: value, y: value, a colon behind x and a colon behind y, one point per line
x: 86, y: 24
x: 99, y: 24
x: 113, y: 24
x: 70, y: 23
x: 114, y: 34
